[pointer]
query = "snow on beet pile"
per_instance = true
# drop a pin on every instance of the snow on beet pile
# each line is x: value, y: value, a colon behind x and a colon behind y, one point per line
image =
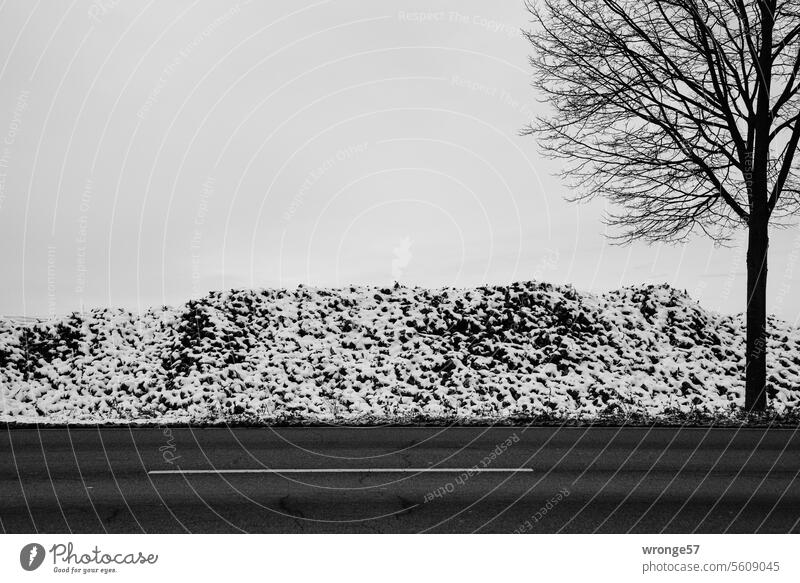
x: 362, y: 354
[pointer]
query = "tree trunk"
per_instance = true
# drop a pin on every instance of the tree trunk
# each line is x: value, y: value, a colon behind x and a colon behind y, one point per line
x: 755, y: 393
x: 756, y: 349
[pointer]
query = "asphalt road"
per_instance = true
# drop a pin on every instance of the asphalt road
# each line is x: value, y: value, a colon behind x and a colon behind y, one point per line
x: 400, y: 479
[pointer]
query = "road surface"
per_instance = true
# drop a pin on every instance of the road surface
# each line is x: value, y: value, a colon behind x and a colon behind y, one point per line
x: 399, y: 479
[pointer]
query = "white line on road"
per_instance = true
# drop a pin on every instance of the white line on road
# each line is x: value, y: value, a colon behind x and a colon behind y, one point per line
x: 344, y: 471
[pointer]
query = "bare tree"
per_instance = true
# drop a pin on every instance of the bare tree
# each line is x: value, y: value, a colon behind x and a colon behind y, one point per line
x: 685, y: 114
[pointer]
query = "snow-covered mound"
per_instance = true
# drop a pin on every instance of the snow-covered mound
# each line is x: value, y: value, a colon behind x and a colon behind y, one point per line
x: 363, y: 353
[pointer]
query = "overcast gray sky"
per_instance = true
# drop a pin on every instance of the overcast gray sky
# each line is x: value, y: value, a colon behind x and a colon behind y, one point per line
x: 152, y: 151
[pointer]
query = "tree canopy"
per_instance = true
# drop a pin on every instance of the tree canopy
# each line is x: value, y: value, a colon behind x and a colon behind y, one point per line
x: 684, y: 113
